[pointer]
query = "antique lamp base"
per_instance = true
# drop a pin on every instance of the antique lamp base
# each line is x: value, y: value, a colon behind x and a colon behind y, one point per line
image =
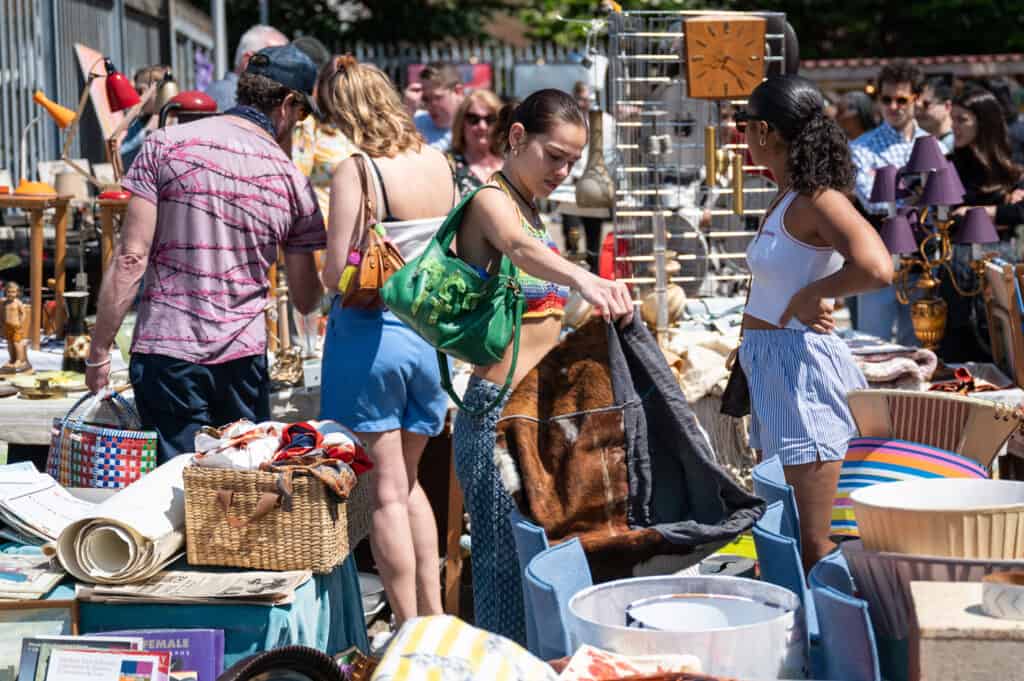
x: 929, y: 319
x: 76, y: 336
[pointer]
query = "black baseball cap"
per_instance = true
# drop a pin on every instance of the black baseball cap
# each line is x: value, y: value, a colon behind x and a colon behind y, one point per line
x: 289, y: 66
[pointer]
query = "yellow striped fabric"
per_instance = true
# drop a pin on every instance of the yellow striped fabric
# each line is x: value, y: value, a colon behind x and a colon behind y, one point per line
x: 443, y: 647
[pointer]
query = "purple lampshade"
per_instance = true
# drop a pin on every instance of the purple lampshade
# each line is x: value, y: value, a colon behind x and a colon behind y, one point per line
x: 884, y: 188
x: 926, y: 155
x: 977, y: 228
x: 943, y: 188
x: 897, y: 235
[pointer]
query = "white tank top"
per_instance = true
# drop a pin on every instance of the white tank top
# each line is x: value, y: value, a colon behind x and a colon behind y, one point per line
x: 781, y: 265
x: 410, y: 237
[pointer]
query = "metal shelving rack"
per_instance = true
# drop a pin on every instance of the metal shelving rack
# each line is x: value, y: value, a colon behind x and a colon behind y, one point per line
x: 665, y: 144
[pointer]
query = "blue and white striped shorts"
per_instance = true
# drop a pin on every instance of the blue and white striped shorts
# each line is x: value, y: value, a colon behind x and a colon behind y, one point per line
x: 798, y: 385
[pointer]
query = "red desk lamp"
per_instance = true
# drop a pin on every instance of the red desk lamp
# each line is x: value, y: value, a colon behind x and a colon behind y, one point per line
x: 121, y: 95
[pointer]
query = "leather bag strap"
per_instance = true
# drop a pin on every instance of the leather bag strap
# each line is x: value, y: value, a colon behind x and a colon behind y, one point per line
x: 266, y: 503
x: 446, y: 379
x: 367, y: 211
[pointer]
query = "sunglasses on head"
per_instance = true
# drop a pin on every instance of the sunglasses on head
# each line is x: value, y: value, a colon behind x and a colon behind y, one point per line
x: 901, y: 101
x: 474, y: 119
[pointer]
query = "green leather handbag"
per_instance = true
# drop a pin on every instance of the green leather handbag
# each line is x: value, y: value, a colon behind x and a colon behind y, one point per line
x: 444, y: 300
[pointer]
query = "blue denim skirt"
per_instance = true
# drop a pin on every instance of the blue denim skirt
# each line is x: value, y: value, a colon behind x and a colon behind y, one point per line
x: 378, y: 375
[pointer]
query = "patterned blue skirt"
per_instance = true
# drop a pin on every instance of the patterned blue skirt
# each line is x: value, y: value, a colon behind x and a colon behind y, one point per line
x: 497, y: 584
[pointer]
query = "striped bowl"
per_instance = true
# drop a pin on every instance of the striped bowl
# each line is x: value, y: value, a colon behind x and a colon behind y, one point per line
x: 956, y: 518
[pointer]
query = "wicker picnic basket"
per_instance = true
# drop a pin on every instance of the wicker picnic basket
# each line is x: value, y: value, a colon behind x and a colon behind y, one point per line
x: 239, y: 519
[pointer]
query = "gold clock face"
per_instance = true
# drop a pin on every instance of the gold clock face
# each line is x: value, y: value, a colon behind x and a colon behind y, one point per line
x: 724, y: 56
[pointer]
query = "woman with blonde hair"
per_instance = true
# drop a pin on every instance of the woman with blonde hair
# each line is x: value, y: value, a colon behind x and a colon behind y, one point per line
x: 379, y: 378
x: 473, y: 158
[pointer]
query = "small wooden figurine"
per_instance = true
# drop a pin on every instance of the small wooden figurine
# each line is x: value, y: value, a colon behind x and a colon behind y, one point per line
x: 15, y: 314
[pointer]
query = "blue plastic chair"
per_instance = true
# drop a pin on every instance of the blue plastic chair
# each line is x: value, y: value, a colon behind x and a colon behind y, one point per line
x: 770, y: 484
x: 553, y: 577
x: 848, y: 648
x: 779, y: 559
x: 530, y: 540
x: 833, y: 572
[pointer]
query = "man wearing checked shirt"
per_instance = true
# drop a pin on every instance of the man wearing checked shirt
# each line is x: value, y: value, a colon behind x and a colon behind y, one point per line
x: 899, y: 85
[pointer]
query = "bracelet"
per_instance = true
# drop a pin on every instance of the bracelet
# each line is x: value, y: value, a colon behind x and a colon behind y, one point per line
x: 93, y: 365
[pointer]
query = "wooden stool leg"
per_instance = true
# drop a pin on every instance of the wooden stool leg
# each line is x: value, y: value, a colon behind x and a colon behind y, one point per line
x: 60, y: 247
x: 36, y: 275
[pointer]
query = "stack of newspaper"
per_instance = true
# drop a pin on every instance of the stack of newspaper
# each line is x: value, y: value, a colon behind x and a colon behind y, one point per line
x: 132, y: 535
x: 34, y: 508
x: 194, y: 586
x: 27, y: 576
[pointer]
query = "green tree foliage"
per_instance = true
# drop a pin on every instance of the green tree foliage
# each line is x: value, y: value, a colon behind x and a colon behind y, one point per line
x: 830, y: 29
x: 545, y: 17
x: 334, y: 22
x: 883, y: 28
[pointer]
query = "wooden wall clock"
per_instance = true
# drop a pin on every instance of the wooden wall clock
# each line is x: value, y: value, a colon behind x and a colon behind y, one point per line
x: 724, y: 56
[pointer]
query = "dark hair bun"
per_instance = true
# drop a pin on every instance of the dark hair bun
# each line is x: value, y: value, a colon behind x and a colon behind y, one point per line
x: 538, y: 114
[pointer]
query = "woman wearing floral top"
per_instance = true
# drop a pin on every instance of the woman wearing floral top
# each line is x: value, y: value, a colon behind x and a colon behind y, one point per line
x: 472, y: 159
x: 317, y: 149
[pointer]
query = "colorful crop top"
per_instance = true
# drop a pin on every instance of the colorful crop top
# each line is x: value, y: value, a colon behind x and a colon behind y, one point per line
x: 543, y: 298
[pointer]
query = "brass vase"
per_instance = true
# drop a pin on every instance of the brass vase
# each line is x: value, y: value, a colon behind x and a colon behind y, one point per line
x: 76, y: 336
x: 595, y: 189
x: 929, y: 319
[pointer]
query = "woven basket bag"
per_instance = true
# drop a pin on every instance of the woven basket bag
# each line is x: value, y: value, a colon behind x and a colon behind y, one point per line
x: 236, y: 518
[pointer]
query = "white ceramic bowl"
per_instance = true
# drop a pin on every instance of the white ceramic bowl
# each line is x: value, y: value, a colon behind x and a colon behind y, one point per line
x: 1002, y: 595
x: 955, y: 518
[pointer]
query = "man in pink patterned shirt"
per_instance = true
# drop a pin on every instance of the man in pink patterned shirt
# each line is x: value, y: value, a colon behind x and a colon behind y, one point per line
x: 212, y: 202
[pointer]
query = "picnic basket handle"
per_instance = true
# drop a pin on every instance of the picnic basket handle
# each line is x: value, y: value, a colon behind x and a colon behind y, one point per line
x: 122, y: 406
x: 266, y: 503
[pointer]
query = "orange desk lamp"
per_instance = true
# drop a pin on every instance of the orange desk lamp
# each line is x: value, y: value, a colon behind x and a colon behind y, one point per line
x: 121, y: 95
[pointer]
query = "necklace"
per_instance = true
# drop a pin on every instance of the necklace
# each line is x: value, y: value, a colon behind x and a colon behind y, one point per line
x: 534, y: 225
x: 526, y: 202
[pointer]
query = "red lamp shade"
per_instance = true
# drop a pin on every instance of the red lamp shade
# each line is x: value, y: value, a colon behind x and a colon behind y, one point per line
x: 121, y: 92
x: 193, y: 100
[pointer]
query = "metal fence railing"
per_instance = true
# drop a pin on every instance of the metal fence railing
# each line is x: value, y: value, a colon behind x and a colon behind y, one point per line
x: 37, y: 39
x: 395, y: 59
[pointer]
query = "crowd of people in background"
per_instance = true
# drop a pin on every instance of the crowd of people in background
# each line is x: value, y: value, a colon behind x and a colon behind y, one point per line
x: 310, y: 185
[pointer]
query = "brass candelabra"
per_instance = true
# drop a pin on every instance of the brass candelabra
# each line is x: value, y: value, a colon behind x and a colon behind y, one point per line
x: 926, y: 214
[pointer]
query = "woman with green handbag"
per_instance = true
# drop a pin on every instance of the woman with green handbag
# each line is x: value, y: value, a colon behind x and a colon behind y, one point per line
x: 379, y: 378
x: 542, y: 138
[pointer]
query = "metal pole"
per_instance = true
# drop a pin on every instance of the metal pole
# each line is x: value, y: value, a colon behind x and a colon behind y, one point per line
x: 220, y: 39
x: 265, y: 12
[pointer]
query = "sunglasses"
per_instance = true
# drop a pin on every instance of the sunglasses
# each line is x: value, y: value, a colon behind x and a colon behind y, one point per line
x: 742, y: 118
x: 474, y: 119
x: 901, y: 101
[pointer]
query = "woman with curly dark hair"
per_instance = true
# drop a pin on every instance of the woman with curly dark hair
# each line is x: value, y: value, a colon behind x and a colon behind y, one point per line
x: 813, y: 246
